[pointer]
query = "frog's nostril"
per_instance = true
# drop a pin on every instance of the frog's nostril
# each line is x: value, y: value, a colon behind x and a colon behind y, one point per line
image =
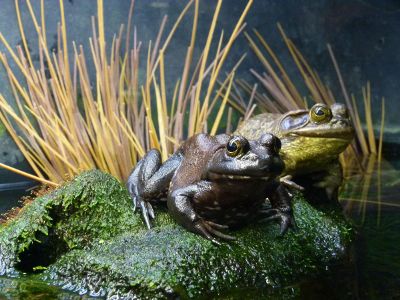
x: 340, y: 122
x: 266, y: 139
x: 270, y: 141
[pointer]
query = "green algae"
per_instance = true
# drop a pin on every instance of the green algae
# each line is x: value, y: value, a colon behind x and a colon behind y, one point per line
x: 103, y: 249
x: 93, y: 206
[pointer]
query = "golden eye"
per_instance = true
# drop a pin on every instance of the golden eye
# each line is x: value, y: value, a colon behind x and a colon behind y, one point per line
x: 236, y: 146
x: 320, y: 113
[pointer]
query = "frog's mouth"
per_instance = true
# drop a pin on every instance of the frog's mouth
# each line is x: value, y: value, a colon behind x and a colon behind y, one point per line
x: 235, y: 177
x: 339, y: 133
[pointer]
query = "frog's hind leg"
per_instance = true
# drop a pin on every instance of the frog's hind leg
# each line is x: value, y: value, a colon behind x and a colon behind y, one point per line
x: 146, y: 167
x: 180, y: 206
x: 132, y: 184
x: 150, y: 180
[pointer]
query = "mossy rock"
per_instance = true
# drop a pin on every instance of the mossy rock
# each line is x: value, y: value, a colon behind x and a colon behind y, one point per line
x: 104, y: 249
x: 91, y: 207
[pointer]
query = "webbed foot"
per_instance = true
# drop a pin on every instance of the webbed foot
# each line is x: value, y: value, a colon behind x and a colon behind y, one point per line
x: 211, y: 230
x: 285, y: 219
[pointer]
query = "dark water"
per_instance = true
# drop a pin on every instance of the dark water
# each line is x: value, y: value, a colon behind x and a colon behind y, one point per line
x: 371, y: 201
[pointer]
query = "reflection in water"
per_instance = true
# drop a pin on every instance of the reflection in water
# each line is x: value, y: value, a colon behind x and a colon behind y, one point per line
x: 10, y: 199
x: 374, y: 188
x: 28, y: 288
x: 371, y: 200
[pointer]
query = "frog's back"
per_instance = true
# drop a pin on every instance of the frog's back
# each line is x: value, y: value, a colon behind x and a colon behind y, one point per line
x: 196, y: 152
x: 254, y: 127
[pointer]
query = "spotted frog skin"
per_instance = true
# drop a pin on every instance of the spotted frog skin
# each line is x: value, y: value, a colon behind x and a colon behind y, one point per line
x: 214, y: 183
x: 311, y: 143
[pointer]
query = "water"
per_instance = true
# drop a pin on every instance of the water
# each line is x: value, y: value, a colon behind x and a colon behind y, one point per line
x: 373, y: 204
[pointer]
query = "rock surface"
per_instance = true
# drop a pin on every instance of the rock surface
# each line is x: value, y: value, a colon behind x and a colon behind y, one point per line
x: 94, y: 244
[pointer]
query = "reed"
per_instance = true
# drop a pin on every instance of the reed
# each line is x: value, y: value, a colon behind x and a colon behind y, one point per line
x: 65, y: 122
x: 281, y: 95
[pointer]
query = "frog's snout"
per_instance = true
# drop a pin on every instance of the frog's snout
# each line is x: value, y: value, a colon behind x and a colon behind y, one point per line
x: 271, y: 142
x: 341, y: 122
x: 277, y: 166
x: 272, y: 163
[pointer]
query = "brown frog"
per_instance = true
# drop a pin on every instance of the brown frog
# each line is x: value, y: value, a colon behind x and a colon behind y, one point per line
x: 214, y: 182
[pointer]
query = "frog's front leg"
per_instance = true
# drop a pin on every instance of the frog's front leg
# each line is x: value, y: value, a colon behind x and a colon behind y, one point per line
x: 150, y: 180
x: 281, y: 209
x: 180, y: 206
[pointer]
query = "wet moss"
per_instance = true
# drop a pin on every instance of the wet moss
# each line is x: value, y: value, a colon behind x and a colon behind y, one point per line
x: 106, y: 250
x: 92, y: 207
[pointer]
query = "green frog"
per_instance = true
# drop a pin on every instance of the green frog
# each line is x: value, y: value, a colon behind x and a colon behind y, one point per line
x: 213, y: 183
x: 311, y: 143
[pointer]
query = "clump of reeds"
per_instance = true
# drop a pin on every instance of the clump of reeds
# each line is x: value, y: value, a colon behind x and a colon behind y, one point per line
x: 66, y: 122
x: 281, y: 95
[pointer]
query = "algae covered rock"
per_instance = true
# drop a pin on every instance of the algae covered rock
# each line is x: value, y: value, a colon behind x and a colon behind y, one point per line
x: 103, y: 248
x: 93, y: 206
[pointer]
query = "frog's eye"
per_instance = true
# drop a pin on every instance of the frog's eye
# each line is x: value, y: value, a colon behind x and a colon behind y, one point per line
x: 236, y: 146
x: 320, y: 113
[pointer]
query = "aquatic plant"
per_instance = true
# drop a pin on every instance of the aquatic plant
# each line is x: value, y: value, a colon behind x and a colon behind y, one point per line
x: 282, y: 95
x: 63, y: 125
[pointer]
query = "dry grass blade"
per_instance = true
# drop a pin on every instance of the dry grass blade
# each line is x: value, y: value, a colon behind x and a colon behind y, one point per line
x: 28, y: 175
x: 282, y: 95
x: 66, y: 121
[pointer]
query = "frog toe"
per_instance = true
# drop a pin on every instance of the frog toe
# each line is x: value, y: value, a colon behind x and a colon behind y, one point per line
x: 135, y: 203
x: 150, y: 210
x: 217, y: 226
x: 213, y: 228
x: 201, y: 229
x: 209, y: 230
x: 285, y: 224
x: 147, y: 212
x: 225, y: 237
x: 286, y: 220
x: 267, y: 213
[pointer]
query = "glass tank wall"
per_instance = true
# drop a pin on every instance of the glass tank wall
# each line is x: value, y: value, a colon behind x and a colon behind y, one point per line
x: 364, y: 36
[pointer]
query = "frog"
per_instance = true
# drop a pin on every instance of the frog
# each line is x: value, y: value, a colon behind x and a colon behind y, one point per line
x: 311, y: 143
x: 213, y: 183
